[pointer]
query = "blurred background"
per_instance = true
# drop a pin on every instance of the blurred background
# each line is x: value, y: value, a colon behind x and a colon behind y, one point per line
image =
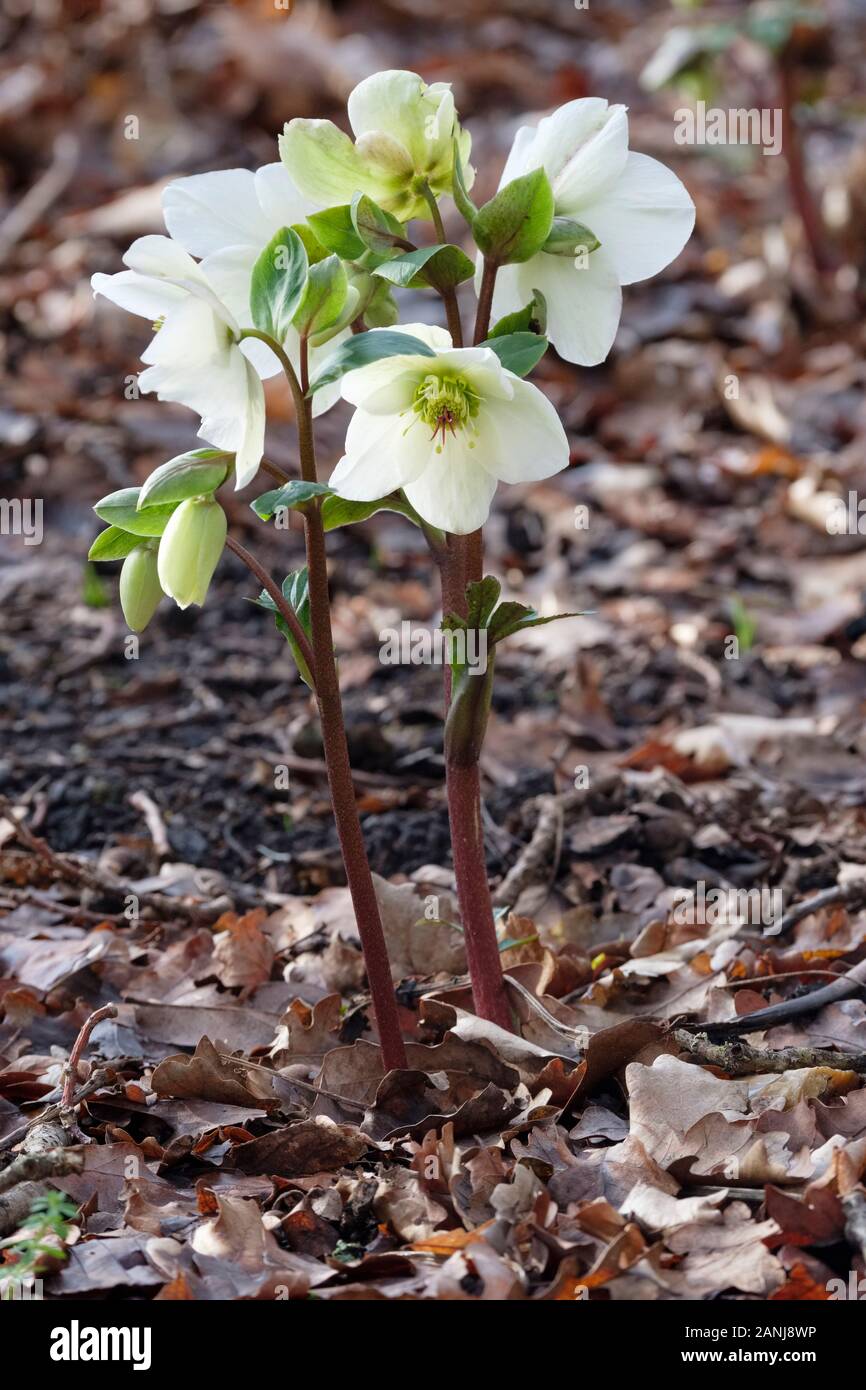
x: 707, y: 453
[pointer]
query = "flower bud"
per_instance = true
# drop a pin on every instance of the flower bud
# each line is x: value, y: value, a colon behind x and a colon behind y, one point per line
x: 140, y: 589
x: 190, y: 548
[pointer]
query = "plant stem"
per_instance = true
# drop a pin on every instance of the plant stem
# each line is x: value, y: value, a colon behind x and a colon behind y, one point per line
x: 336, y: 749
x: 462, y: 564
x: 473, y: 891
x: 485, y: 302
x: 449, y: 295
x: 284, y: 608
x: 798, y: 183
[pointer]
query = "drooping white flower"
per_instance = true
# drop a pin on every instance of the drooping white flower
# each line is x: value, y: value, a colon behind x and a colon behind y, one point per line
x: 636, y: 207
x: 228, y: 218
x: 446, y: 429
x: 195, y: 357
x: 404, y: 136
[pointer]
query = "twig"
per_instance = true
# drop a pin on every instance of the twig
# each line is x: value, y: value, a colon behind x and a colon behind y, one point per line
x: 72, y: 871
x: 87, y: 1027
x: 534, y: 859
x: 153, y: 819
x: 53, y: 1163
x: 842, y: 988
x: 851, y: 894
x: 740, y: 1059
x: 38, y: 199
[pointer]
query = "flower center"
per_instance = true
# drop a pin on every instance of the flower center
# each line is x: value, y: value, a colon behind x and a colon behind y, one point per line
x: 446, y: 404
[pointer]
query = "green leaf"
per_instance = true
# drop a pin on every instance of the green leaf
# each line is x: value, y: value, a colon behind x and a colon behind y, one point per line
x: 291, y: 496
x: 464, y: 204
x: 278, y: 281
x: 379, y: 230
x: 518, y: 352
x: 516, y: 617
x: 324, y: 297
x: 188, y: 475
x: 442, y: 267
x: 113, y: 544
x: 313, y: 247
x: 339, y: 511
x: 364, y: 348
x: 515, y: 224
x: 121, y: 509
x: 567, y: 238
x: 296, y: 591
x: 532, y: 318
x: 335, y: 230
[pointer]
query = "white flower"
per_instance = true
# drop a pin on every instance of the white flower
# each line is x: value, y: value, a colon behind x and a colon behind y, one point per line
x: 635, y: 206
x: 446, y: 429
x: 194, y: 358
x: 228, y: 218
x: 404, y: 137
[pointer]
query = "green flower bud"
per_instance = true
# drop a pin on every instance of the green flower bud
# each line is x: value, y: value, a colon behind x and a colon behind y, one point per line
x: 190, y: 548
x: 140, y: 589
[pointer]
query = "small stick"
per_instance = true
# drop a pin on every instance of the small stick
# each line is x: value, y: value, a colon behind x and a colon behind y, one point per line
x: 740, y: 1059
x: 87, y: 1027
x: 851, y: 894
x: 153, y: 820
x: 842, y: 988
x: 53, y: 1163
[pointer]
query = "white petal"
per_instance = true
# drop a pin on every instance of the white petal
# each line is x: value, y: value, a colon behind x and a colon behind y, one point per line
x: 439, y: 339
x: 644, y: 220
x: 162, y: 258
x: 208, y: 212
x: 138, y: 294
x: 583, y: 306
x: 281, y: 202
x: 557, y: 137
x: 249, y: 454
x: 454, y: 492
x: 522, y: 440
x: 383, y: 452
x: 595, y: 165
x: 521, y: 157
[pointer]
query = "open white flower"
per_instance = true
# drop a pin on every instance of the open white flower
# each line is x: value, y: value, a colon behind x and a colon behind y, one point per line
x: 194, y: 358
x: 446, y: 429
x: 404, y: 134
x: 635, y: 206
x: 228, y: 218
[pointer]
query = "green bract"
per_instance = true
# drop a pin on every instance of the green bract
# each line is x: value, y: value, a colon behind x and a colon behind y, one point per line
x: 187, y: 475
x: 278, y: 280
x: 121, y: 509
x: 516, y: 223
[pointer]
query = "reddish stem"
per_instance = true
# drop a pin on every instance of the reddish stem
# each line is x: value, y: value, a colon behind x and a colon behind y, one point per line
x: 798, y: 183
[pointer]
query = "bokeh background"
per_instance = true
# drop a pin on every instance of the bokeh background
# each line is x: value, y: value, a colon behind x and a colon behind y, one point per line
x: 707, y: 504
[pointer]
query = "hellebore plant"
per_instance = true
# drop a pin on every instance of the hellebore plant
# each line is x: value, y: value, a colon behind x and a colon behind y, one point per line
x: 296, y: 271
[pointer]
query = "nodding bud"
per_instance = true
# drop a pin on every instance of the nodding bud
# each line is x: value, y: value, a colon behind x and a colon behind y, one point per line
x: 140, y: 589
x: 190, y: 548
